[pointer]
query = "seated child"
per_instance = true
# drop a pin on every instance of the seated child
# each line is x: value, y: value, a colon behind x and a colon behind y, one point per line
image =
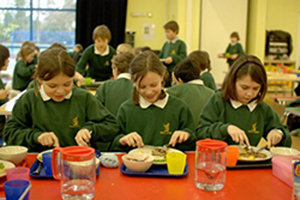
x: 189, y: 87
x: 58, y: 114
x: 238, y: 114
x: 76, y: 53
x: 174, y: 50
x: 124, y: 47
x: 152, y: 116
x: 24, y: 71
x: 203, y: 61
x: 98, y: 56
x: 113, y: 93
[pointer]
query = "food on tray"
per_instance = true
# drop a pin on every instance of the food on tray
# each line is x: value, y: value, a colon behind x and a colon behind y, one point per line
x: 159, y: 151
x: 250, y: 155
x: 2, y: 168
x: 137, y: 157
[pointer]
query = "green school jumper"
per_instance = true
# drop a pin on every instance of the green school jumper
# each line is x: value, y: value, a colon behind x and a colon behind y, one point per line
x: 113, y: 93
x: 176, y: 50
x: 217, y: 114
x: 155, y: 125
x: 22, y: 75
x: 235, y: 49
x: 32, y: 116
x: 2, y: 117
x: 208, y: 80
x: 194, y: 95
x: 99, y: 66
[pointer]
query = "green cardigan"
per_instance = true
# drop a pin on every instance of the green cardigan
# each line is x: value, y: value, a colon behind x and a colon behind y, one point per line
x: 235, y: 49
x: 22, y: 75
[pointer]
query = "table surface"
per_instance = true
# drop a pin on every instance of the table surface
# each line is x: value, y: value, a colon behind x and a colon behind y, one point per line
x: 112, y: 184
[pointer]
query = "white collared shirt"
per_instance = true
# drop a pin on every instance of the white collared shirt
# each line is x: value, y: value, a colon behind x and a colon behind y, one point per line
x: 196, y: 81
x: 45, y: 97
x: 206, y: 70
x: 106, y: 52
x: 237, y: 104
x: 232, y: 44
x: 173, y: 41
x: 161, y: 103
x: 124, y: 75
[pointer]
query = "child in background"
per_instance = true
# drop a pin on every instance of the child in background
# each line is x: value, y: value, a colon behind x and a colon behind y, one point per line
x: 36, y: 48
x: 124, y: 47
x: 152, y: 117
x: 98, y: 56
x: 234, y: 49
x: 76, y: 53
x: 189, y: 87
x: 24, y: 70
x: 173, y: 50
x: 203, y: 61
x: 238, y: 114
x: 58, y: 114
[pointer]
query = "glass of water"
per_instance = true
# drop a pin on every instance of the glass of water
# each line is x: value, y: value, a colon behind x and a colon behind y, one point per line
x: 210, y: 169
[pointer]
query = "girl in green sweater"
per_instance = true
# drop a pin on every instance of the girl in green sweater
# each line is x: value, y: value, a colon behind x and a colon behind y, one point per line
x: 237, y: 114
x: 153, y: 117
x: 58, y: 114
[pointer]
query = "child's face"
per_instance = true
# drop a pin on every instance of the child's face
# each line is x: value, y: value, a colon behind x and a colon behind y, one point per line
x: 246, y: 89
x: 101, y: 44
x: 233, y: 39
x: 29, y: 58
x: 6, y: 62
x: 171, y: 35
x: 58, y: 87
x: 150, y: 87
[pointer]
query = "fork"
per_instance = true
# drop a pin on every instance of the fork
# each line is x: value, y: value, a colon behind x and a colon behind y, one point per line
x: 165, y: 146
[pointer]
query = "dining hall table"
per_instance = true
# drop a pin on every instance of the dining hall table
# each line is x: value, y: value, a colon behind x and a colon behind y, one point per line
x: 111, y: 184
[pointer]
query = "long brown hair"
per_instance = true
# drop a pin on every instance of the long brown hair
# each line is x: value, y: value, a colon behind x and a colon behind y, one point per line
x: 52, y: 62
x: 142, y: 64
x: 4, y: 54
x: 25, y: 51
x: 202, y: 59
x: 245, y: 65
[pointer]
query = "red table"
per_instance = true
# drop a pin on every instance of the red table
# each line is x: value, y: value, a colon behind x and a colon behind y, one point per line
x: 112, y: 184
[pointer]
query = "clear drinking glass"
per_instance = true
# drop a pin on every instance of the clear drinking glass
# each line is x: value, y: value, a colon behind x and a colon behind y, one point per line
x: 210, y: 169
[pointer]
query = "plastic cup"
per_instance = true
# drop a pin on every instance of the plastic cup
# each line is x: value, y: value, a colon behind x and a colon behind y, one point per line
x: 17, y: 173
x: 232, y: 156
x: 88, y: 80
x: 176, y: 162
x: 15, y: 188
x: 47, y: 162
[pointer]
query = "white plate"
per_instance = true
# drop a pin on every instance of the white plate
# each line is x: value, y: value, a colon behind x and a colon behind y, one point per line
x: 158, y: 160
x: 268, y: 154
x: 7, y: 165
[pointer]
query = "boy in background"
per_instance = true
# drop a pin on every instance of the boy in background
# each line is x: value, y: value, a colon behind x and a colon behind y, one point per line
x: 174, y: 50
x: 98, y: 56
x: 189, y: 87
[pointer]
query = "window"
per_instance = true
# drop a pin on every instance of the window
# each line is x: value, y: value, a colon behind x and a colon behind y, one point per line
x: 40, y: 21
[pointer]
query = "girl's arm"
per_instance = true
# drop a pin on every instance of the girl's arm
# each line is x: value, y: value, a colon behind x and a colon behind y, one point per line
x: 23, y: 70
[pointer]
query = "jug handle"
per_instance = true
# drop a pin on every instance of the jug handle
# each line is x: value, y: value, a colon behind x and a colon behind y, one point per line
x: 55, y: 152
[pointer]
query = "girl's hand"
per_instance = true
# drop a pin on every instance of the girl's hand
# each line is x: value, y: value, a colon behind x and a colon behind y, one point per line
x: 3, y: 94
x: 132, y: 139
x: 237, y: 135
x: 233, y: 57
x: 179, y: 137
x: 83, y: 137
x: 274, y: 137
x: 48, y: 139
x: 79, y: 78
x: 221, y: 55
x: 168, y: 60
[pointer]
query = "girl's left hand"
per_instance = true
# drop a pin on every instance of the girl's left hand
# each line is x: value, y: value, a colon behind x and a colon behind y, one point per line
x: 179, y: 137
x: 83, y: 137
x: 274, y: 137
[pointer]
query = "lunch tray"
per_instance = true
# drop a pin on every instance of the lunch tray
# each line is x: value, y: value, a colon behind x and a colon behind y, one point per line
x: 43, y: 175
x: 155, y: 171
x: 251, y: 165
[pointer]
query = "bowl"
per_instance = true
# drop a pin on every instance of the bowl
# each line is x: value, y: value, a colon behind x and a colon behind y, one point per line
x: 14, y: 154
x: 284, y: 151
x: 138, y: 162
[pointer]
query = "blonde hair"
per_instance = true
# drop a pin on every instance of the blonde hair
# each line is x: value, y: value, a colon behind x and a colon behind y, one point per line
x: 124, y: 47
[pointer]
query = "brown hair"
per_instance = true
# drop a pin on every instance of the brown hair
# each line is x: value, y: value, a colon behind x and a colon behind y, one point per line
x: 201, y: 59
x: 57, y: 45
x: 4, y: 54
x: 25, y: 43
x: 245, y: 65
x: 122, y: 61
x: 79, y: 47
x: 52, y: 62
x: 187, y: 70
x: 235, y: 35
x: 172, y: 25
x: 103, y: 32
x: 142, y: 64
x: 25, y: 51
x: 124, y: 47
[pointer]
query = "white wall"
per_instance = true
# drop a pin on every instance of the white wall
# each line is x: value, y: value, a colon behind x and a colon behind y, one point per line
x: 219, y: 19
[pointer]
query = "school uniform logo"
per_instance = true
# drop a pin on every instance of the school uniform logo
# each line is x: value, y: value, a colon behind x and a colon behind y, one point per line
x: 166, y: 129
x: 254, y: 127
x: 106, y: 63
x: 173, y: 52
x: 75, y: 123
x: 234, y: 50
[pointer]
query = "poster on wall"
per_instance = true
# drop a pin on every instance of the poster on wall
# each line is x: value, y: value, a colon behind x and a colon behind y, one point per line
x: 148, y: 31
